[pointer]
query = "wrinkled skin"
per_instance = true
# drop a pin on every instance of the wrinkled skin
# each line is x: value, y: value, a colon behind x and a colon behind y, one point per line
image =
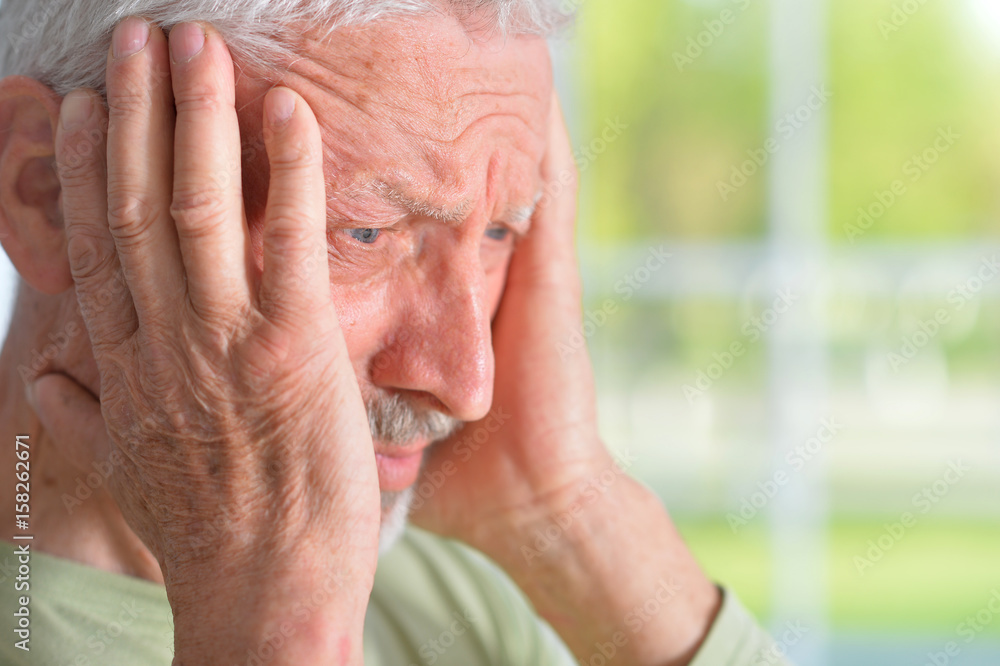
x: 232, y: 366
x: 226, y: 386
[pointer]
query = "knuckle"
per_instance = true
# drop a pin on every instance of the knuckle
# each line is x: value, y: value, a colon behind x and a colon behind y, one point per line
x: 128, y: 101
x: 266, y: 351
x: 198, y: 208
x: 216, y: 321
x: 294, y: 157
x: 287, y: 228
x: 197, y: 97
x: 129, y: 215
x: 209, y: 333
x: 87, y: 255
x: 210, y: 328
x: 73, y: 176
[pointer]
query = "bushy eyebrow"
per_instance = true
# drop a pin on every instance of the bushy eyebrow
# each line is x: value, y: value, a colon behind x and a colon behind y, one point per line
x: 397, y: 197
x: 520, y: 215
x: 517, y: 217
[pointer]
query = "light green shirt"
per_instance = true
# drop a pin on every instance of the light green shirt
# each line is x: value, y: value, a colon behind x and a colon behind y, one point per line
x: 435, y: 603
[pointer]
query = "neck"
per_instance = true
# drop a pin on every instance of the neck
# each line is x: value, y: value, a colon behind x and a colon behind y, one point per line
x: 72, y: 515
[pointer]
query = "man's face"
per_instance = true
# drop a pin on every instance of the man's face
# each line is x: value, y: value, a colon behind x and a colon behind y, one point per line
x: 433, y: 145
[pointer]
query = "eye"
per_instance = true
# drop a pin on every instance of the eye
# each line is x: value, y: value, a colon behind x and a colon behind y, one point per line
x: 366, y: 236
x: 498, y: 233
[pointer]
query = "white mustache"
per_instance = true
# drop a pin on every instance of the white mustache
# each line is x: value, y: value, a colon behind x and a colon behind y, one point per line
x: 394, y: 421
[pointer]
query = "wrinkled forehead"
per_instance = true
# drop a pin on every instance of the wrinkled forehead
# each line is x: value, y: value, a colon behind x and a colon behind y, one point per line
x: 450, y: 117
x: 426, y: 94
x: 428, y: 71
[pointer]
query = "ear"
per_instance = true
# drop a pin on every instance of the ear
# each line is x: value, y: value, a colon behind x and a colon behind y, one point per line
x: 31, y: 228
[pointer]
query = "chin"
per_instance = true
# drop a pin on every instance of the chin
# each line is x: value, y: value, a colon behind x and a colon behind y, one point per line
x: 395, y: 512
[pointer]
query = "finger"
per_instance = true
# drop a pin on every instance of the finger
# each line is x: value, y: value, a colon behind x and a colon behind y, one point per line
x: 140, y: 167
x: 71, y: 416
x: 546, y: 257
x: 543, y: 298
x: 559, y: 173
x: 207, y: 198
x: 295, y: 286
x: 81, y: 143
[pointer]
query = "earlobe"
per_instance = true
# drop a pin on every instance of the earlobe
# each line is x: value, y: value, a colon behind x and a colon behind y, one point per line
x: 30, y: 219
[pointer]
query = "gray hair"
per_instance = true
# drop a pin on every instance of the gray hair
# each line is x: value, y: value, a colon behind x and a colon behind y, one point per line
x: 64, y: 43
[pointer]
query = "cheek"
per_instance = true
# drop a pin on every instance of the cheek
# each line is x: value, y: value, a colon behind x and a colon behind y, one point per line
x: 496, y: 280
x: 362, y: 317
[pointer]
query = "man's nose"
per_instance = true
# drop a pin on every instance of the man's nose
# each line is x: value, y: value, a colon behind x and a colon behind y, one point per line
x: 440, y: 349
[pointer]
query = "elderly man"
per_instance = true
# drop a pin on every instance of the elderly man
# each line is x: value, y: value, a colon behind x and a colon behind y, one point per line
x: 281, y: 264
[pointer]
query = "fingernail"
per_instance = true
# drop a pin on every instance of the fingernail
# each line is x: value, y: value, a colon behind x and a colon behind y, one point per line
x: 186, y: 41
x: 281, y: 106
x: 76, y: 109
x: 130, y: 37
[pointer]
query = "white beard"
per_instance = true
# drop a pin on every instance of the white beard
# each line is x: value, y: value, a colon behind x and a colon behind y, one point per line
x: 395, y: 511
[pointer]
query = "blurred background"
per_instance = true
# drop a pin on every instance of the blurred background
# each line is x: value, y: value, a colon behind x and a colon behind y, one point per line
x: 811, y: 379
x: 790, y: 223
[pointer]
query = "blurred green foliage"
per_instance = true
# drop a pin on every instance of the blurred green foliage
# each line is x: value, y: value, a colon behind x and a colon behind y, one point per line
x: 691, y: 120
x: 930, y: 581
x: 894, y: 90
x: 687, y: 126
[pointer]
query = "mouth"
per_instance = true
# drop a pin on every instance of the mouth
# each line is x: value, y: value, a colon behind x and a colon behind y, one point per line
x: 399, y: 466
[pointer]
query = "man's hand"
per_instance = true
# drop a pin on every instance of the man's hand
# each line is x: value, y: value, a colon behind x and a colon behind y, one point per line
x: 542, y: 430
x: 532, y: 485
x: 226, y: 387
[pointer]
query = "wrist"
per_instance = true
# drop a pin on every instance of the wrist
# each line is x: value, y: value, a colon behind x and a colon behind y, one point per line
x: 277, y: 616
x: 306, y: 628
x: 558, y: 523
x: 595, y: 562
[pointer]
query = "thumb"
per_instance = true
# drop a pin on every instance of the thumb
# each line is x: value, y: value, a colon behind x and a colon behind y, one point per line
x: 71, y: 416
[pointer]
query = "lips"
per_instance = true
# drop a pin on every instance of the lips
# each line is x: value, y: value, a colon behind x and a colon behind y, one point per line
x: 399, y: 466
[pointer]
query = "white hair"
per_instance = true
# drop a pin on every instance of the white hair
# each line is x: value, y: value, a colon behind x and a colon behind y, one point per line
x: 395, y: 516
x: 64, y: 43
